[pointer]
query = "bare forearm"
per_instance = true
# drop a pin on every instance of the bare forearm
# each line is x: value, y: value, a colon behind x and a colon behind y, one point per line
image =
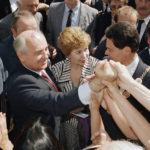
x: 95, y: 121
x: 120, y: 119
x: 137, y: 122
x: 140, y: 92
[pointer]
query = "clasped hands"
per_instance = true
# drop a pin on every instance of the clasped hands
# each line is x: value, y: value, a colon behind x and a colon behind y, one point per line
x: 109, y: 77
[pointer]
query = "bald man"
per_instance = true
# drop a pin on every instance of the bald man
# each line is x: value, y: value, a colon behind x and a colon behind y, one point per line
x: 35, y: 93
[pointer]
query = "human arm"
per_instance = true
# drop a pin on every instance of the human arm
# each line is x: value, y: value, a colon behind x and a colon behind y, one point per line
x: 118, y: 116
x: 5, y: 143
x: 125, y: 81
x: 96, y: 120
x: 138, y: 123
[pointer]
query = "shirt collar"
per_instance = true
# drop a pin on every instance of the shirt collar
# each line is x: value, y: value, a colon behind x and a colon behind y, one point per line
x: 37, y: 72
x: 74, y: 9
x: 146, y: 20
x: 132, y: 67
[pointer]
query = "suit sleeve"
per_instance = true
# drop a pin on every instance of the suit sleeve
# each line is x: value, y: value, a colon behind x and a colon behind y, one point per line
x: 41, y: 98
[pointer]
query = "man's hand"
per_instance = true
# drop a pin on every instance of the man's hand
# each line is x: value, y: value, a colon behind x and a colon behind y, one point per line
x: 123, y: 76
x: 88, y: 2
x: 53, y: 51
x: 5, y: 143
x: 42, y: 6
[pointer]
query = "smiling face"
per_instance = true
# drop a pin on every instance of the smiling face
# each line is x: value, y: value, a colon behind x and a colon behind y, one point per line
x: 37, y: 53
x: 79, y: 56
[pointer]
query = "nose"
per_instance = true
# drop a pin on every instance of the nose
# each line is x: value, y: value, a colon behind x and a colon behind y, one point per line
x: 46, y: 54
x: 107, y: 52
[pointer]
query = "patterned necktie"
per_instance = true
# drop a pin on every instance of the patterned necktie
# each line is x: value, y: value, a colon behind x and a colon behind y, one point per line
x: 139, y: 25
x: 50, y: 81
x: 68, y: 24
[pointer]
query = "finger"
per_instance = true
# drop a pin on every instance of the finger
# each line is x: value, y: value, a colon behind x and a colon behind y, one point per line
x: 88, y: 78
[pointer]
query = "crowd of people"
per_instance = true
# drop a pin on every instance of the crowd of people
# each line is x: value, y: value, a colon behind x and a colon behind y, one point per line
x: 75, y: 74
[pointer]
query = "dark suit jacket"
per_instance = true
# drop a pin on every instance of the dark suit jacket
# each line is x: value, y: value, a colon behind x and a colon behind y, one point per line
x: 110, y: 126
x: 145, y: 56
x: 8, y: 55
x: 143, y: 42
x: 5, y: 8
x: 103, y: 20
x: 31, y: 96
x: 5, y: 25
x: 100, y: 50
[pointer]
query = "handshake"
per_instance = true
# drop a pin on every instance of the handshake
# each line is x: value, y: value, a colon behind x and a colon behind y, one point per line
x: 102, y: 71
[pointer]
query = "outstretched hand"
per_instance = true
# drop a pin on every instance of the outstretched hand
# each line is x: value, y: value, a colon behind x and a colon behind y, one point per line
x: 5, y: 143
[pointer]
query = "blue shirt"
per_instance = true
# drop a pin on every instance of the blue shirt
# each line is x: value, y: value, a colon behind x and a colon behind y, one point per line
x: 75, y: 16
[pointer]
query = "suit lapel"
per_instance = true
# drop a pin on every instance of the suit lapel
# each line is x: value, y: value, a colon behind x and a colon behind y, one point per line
x: 139, y: 70
x: 83, y: 17
x: 143, y: 42
x: 59, y: 17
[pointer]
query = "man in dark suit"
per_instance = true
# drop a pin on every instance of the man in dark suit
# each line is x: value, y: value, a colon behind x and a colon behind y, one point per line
x: 35, y: 94
x: 122, y: 46
x: 145, y: 53
x: 30, y: 5
x: 21, y: 21
x: 81, y: 15
x: 143, y: 8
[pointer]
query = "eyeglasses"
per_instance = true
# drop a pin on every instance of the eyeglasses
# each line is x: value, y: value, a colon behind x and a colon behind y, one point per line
x: 114, y: 7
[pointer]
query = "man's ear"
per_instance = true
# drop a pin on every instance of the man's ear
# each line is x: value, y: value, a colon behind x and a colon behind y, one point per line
x: 18, y: 4
x: 20, y: 56
x: 148, y: 41
x: 127, y: 50
x: 14, y: 32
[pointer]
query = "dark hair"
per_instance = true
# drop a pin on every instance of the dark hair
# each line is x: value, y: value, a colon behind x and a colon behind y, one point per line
x: 19, y: 14
x: 37, y: 136
x: 123, y: 34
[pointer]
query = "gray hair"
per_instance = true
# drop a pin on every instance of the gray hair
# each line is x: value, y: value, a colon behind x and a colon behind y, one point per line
x: 19, y: 14
x: 20, y: 44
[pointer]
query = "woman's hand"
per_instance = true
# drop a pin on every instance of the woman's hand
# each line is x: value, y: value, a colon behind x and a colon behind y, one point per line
x: 5, y: 143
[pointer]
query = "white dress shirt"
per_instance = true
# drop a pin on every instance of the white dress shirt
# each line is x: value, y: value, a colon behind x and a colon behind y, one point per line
x: 13, y: 5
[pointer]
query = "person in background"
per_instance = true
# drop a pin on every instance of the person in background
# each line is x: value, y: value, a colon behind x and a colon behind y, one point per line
x: 103, y: 20
x: 145, y: 53
x: 125, y: 13
x: 21, y: 21
x: 29, y: 5
x: 143, y: 8
x: 37, y: 136
x: 58, y: 18
x: 69, y: 73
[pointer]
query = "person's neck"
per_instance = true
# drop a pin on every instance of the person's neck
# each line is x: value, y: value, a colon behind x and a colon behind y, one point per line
x: 76, y: 66
x: 143, y: 17
x: 130, y: 59
x: 73, y: 5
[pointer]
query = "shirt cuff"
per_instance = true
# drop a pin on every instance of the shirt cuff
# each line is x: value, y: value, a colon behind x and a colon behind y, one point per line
x: 84, y: 93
